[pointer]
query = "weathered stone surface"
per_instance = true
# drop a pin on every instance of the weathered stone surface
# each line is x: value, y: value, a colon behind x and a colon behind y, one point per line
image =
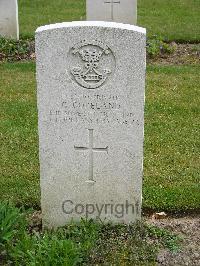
x: 123, y: 11
x: 9, y: 27
x: 91, y: 79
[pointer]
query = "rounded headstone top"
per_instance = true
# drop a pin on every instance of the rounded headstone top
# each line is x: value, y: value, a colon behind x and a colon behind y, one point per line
x: 92, y: 24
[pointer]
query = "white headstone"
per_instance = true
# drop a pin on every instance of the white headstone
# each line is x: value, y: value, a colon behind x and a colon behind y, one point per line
x: 9, y: 27
x: 91, y: 80
x: 123, y: 11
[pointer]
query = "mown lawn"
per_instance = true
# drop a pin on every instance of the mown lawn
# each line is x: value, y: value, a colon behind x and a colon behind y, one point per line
x: 171, y: 165
x: 172, y: 144
x: 172, y: 19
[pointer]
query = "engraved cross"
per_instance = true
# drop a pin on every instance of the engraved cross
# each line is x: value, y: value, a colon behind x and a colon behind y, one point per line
x: 112, y: 2
x: 91, y: 150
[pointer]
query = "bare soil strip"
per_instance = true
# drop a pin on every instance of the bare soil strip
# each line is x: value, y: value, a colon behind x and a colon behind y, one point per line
x: 188, y: 228
x: 183, y: 54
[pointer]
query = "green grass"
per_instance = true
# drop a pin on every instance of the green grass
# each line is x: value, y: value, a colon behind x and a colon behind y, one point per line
x: 172, y: 19
x: 33, y: 14
x: 19, y: 161
x: 84, y: 243
x: 171, y: 165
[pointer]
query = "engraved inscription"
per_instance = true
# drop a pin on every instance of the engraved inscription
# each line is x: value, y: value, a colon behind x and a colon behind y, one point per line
x: 91, y: 63
x: 93, y: 109
x: 91, y: 150
x: 112, y: 3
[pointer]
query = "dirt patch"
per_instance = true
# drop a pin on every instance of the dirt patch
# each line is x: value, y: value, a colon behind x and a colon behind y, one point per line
x: 183, y: 54
x: 12, y: 51
x: 35, y: 222
x: 188, y: 228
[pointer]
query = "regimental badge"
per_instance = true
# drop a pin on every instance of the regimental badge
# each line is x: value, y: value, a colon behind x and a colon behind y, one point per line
x: 92, y: 63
